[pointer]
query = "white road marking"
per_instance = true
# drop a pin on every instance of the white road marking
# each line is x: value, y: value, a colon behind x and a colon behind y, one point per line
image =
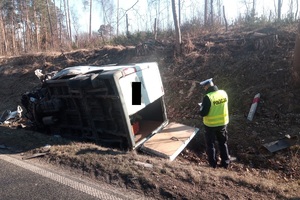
x: 98, y: 193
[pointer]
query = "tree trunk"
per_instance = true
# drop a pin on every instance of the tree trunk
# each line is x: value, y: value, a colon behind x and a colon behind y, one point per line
x: 50, y: 24
x: 296, y: 64
x: 211, y: 13
x: 168, y: 15
x: 67, y: 24
x: 69, y: 17
x: 13, y: 32
x: 28, y: 28
x: 44, y: 35
x: 296, y: 13
x: 290, y: 14
x: 179, y: 13
x: 177, y: 29
x: 253, y: 9
x: 279, y: 9
x: 36, y: 26
x: 60, y: 25
x: 3, y: 33
x: 57, y: 20
x: 127, y: 30
x: 205, y: 13
x: 155, y: 28
x: 90, y: 28
x: 117, y: 18
x: 226, y: 25
x: 219, y: 10
x: 23, y: 22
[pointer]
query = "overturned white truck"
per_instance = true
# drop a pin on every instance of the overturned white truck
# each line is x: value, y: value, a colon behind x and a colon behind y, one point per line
x: 112, y: 104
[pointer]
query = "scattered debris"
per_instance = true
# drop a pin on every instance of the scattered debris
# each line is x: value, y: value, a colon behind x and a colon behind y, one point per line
x: 283, y: 143
x: 34, y: 156
x: 8, y: 116
x: 232, y: 159
x: 46, y: 148
x: 44, y: 77
x: 143, y: 164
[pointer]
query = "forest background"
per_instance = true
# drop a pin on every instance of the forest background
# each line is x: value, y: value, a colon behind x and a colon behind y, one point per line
x: 28, y: 26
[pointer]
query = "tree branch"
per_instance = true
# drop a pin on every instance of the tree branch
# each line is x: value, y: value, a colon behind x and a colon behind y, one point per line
x: 129, y: 9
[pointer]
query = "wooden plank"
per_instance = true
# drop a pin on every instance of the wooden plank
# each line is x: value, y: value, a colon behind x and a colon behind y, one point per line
x: 170, y: 141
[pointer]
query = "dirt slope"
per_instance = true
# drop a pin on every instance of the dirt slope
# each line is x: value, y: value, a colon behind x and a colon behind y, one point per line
x: 244, y: 63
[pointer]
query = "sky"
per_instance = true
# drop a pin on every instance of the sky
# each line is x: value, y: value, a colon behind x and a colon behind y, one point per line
x: 232, y: 9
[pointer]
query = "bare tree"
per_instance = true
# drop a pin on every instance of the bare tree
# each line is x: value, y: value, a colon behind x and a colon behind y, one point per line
x: 125, y: 13
x: 60, y: 24
x: 89, y: 4
x: 179, y: 13
x: 127, y: 25
x: 36, y: 25
x: 69, y: 18
x: 296, y: 64
x: 291, y: 15
x: 28, y: 26
x: 75, y: 21
x: 296, y: 13
x: 205, y: 12
x: 22, y: 40
x: 90, y: 27
x: 279, y: 9
x: 3, y: 35
x: 155, y: 29
x: 66, y: 16
x: 50, y: 23
x: 226, y: 25
x: 13, y: 31
x: 154, y: 6
x: 118, y: 18
x: 57, y: 22
x: 212, y: 13
x: 169, y: 21
x: 107, y: 10
x: 177, y: 29
x: 253, y: 11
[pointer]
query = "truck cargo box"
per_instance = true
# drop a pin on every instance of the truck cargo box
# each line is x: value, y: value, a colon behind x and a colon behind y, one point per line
x: 109, y: 104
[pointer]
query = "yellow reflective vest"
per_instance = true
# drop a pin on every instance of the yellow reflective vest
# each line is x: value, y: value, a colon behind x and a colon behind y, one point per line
x: 218, y: 113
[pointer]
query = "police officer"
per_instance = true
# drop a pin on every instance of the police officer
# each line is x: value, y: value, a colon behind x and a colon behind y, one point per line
x: 214, y: 110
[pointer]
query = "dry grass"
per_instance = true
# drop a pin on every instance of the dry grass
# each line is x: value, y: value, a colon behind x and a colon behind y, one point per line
x: 118, y: 167
x: 115, y: 162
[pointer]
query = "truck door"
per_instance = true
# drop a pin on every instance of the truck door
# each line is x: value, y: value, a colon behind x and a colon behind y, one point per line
x: 170, y: 141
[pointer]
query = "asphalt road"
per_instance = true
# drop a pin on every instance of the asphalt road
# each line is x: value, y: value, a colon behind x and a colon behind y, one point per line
x: 20, y: 180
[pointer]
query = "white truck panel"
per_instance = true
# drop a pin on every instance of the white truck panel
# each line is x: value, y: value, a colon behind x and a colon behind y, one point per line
x: 151, y: 86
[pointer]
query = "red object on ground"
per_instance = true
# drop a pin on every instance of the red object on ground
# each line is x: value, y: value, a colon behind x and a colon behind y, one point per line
x: 135, y: 127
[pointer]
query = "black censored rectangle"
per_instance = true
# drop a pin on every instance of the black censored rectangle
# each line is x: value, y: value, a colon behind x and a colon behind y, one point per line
x: 136, y: 93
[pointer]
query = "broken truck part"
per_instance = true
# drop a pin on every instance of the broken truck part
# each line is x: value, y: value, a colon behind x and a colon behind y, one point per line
x: 282, y: 143
x: 8, y: 116
x: 96, y: 103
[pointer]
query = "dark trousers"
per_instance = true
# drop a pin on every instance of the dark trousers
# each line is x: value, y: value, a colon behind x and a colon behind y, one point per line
x: 213, y: 134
